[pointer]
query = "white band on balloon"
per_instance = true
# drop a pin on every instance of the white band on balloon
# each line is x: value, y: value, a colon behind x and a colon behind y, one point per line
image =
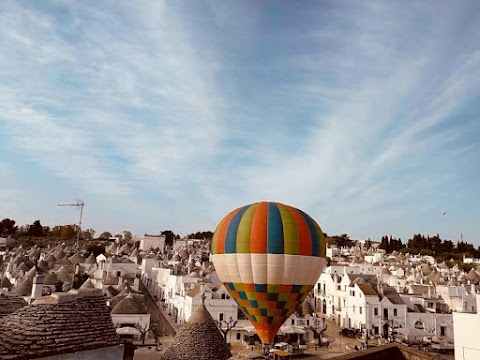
x: 283, y: 269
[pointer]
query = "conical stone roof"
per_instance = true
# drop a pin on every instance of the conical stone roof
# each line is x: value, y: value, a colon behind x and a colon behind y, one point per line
x: 5, y: 283
x: 43, y: 265
x: 64, y: 323
x: 87, y: 284
x: 134, y: 253
x: 63, y: 262
x: 24, y: 288
x: 50, y: 279
x: 22, y: 267
x: 130, y: 305
x: 110, y: 292
x: 63, y: 275
x: 76, y: 259
x: 117, y: 298
x: 91, y: 260
x: 198, y: 339
x: 10, y: 303
x: 60, y: 254
x: 473, y: 276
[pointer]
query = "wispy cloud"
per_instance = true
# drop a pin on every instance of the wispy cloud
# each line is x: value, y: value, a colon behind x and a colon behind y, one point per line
x: 168, y: 115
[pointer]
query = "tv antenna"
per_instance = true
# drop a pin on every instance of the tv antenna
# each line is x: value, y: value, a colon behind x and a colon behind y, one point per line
x: 79, y: 204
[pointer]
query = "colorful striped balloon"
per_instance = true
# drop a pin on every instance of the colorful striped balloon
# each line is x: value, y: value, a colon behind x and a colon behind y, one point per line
x: 269, y: 256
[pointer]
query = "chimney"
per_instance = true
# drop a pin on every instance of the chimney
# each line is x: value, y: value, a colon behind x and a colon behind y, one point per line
x: 380, y: 290
x: 37, y: 289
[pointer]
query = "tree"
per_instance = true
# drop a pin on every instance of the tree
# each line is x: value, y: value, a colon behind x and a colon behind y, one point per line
x: 105, y: 235
x: 67, y: 232
x: 127, y: 235
x: 317, y: 333
x: 55, y: 231
x: 36, y: 229
x: 88, y: 234
x: 207, y: 235
x: 144, y: 329
x: 225, y: 326
x: 368, y: 244
x: 95, y: 250
x: 169, y: 237
x: 7, y: 227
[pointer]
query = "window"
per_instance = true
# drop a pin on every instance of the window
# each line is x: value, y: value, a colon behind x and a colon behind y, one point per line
x: 375, y: 311
x: 221, y: 316
x: 224, y: 296
x: 394, y: 312
x: 418, y: 325
x: 293, y: 322
x: 238, y: 336
x: 443, y: 330
x: 354, y: 308
x: 360, y: 309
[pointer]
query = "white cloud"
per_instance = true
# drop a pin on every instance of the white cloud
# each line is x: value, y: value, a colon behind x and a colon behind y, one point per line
x: 178, y: 117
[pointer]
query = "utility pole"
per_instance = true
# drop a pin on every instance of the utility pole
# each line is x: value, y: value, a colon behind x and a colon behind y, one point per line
x: 79, y: 204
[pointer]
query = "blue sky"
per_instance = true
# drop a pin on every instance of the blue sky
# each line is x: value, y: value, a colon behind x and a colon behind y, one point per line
x: 170, y: 114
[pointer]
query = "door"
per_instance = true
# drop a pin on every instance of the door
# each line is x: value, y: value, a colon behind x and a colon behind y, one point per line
x: 385, y: 331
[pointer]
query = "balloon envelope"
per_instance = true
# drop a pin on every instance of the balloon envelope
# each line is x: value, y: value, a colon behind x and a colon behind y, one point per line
x: 269, y: 256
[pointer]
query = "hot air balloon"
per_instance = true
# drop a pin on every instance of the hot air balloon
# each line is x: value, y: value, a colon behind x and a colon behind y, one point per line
x: 269, y: 256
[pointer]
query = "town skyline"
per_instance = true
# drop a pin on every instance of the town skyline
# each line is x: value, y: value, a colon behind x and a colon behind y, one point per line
x: 168, y: 116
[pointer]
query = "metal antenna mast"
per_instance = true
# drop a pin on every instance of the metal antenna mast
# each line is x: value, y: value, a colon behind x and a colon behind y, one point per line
x: 79, y: 204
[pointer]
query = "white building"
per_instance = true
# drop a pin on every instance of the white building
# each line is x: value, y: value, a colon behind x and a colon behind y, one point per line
x: 467, y: 346
x: 148, y: 242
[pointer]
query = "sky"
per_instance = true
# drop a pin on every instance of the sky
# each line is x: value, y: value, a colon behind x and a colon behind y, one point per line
x: 168, y: 115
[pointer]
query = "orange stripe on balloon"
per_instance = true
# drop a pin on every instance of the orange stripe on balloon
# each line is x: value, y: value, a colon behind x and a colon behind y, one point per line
x: 258, y: 237
x: 222, y: 232
x: 303, y: 232
x: 267, y: 332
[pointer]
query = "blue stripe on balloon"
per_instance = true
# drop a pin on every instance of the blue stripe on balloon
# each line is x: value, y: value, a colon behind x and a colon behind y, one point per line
x: 315, y: 238
x: 275, y: 230
x: 231, y: 237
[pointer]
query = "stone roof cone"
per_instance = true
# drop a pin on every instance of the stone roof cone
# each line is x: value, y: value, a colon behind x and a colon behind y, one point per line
x: 198, y: 339
x: 63, y: 323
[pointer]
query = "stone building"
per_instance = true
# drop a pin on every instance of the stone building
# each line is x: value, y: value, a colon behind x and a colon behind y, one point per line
x: 69, y: 325
x: 10, y: 303
x: 198, y: 339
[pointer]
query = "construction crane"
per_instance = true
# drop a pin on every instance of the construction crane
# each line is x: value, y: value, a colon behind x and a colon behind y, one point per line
x: 79, y: 204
